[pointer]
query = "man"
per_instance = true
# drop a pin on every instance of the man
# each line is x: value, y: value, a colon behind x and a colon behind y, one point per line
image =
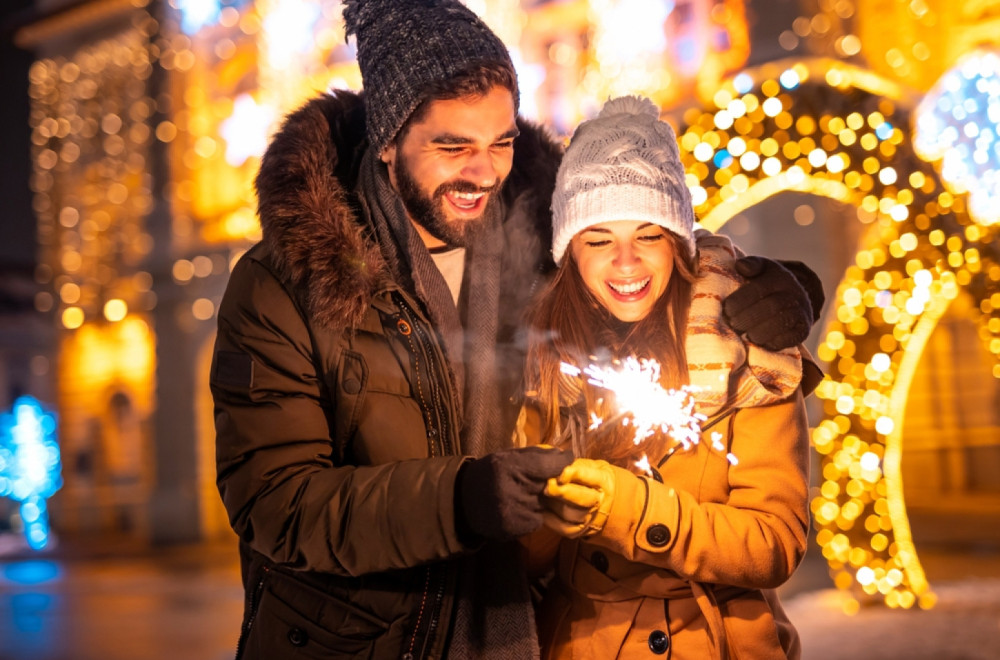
x: 369, y: 347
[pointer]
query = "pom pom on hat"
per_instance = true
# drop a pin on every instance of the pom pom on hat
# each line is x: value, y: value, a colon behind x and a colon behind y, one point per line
x: 630, y: 105
x: 622, y: 165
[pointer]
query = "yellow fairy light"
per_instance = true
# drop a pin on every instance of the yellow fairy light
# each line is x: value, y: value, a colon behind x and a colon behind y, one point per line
x: 115, y: 309
x: 72, y: 318
x: 887, y: 302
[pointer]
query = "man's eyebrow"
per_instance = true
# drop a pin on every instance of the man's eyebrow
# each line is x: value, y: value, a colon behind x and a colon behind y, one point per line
x: 453, y: 138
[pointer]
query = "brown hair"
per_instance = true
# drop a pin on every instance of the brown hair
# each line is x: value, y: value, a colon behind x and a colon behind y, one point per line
x: 568, y: 324
x: 475, y: 81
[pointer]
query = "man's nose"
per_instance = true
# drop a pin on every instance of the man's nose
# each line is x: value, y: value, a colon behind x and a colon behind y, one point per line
x: 480, y: 169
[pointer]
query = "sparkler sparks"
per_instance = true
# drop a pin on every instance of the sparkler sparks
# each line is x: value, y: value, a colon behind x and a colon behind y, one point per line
x: 646, y: 405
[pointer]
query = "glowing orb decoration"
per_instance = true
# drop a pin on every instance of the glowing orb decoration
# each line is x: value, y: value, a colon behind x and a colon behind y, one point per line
x: 958, y: 124
x: 30, y: 470
x: 196, y: 14
x: 829, y: 129
x: 246, y: 130
x: 289, y: 28
x: 629, y: 42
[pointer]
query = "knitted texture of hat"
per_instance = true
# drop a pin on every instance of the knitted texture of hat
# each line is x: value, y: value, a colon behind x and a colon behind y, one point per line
x: 405, y: 45
x: 621, y: 165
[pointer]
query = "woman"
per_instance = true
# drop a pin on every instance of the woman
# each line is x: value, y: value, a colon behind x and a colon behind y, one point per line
x: 679, y: 558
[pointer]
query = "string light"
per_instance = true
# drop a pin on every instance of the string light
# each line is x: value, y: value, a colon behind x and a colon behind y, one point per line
x: 958, y: 124
x: 915, y: 262
x: 30, y: 465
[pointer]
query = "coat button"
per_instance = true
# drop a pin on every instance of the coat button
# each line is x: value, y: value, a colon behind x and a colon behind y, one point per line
x: 600, y: 561
x: 658, y: 535
x: 298, y: 637
x: 658, y: 642
x: 403, y: 327
x: 352, y: 385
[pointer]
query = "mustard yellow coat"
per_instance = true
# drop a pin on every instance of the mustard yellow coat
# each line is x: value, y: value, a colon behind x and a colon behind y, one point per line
x: 685, y: 568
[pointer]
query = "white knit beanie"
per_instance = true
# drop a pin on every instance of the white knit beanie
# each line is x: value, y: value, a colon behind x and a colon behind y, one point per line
x: 621, y: 165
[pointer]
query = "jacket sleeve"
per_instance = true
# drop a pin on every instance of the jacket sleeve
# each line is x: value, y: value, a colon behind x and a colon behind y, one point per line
x: 284, y: 494
x: 755, y: 538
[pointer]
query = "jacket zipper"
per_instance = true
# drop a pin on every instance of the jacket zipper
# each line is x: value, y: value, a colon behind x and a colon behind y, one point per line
x: 438, y: 424
x: 254, y: 604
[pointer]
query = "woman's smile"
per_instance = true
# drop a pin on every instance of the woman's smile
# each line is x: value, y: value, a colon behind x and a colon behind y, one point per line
x: 630, y: 290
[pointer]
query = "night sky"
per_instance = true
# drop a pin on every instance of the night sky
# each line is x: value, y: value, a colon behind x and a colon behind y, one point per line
x: 17, y: 222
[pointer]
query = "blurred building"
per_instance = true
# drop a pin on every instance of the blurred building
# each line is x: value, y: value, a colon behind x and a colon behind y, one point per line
x: 797, y: 123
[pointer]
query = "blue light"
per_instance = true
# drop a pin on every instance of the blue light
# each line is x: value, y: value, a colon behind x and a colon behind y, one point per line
x: 31, y: 572
x: 957, y: 122
x: 722, y: 158
x: 743, y: 83
x: 30, y: 467
x: 199, y: 14
x: 789, y: 79
x: 884, y: 131
x: 196, y: 14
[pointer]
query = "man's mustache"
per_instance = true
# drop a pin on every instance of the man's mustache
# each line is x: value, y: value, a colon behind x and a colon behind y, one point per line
x: 465, y: 187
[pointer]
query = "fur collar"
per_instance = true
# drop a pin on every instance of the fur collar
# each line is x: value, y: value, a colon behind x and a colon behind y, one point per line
x: 311, y: 228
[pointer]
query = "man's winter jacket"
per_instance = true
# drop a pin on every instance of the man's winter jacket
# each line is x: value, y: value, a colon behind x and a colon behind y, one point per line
x: 339, y: 439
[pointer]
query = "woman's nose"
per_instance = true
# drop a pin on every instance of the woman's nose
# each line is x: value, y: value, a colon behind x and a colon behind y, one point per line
x: 626, y: 257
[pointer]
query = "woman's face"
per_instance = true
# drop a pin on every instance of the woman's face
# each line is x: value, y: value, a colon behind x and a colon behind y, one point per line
x: 626, y: 264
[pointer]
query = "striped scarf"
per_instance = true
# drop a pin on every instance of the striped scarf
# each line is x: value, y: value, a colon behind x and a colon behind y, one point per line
x: 730, y: 371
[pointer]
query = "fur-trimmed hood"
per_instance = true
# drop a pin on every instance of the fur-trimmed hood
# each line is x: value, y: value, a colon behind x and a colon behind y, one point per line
x: 312, y: 231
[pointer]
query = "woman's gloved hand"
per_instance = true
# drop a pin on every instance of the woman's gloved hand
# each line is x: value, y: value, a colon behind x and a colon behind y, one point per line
x: 578, y: 501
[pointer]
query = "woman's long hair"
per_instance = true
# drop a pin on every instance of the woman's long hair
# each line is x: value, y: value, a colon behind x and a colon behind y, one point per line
x: 568, y: 324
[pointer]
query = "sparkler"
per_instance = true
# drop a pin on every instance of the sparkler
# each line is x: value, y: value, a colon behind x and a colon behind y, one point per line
x: 647, y: 406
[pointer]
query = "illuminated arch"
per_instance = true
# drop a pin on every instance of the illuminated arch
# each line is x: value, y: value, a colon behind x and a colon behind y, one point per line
x: 837, y: 131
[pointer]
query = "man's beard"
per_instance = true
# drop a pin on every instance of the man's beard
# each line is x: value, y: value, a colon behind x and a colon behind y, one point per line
x: 428, y: 212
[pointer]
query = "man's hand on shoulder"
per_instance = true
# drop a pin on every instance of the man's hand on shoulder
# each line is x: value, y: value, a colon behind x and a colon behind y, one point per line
x: 778, y: 305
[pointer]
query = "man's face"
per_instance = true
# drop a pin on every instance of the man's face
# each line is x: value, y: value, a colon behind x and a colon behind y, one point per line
x: 449, y: 166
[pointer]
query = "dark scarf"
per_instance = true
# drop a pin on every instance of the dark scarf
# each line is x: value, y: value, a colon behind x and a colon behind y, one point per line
x: 468, y: 335
x: 494, y: 619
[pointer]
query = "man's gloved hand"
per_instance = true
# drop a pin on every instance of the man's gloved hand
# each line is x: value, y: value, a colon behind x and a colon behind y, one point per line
x: 578, y: 501
x: 777, y: 305
x: 497, y: 496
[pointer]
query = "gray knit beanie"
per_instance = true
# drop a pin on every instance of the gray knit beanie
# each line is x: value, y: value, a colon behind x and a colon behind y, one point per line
x: 405, y: 45
x: 622, y: 165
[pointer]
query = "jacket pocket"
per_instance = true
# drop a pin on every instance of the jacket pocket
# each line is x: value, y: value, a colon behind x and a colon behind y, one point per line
x: 350, y: 383
x: 752, y: 630
x: 295, y: 621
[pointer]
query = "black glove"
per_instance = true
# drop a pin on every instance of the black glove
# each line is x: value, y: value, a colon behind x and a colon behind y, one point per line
x: 777, y: 305
x: 497, y: 496
x: 810, y: 282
